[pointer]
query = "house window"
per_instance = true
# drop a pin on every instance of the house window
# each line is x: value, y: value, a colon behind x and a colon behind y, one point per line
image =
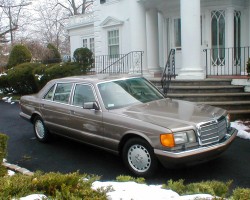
x: 113, y: 43
x: 102, y: 1
x: 85, y: 43
x: 218, y: 37
x: 92, y: 45
x: 177, y: 32
x: 237, y: 38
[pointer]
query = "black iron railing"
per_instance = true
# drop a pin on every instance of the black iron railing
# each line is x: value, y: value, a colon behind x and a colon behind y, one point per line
x: 119, y: 63
x: 226, y: 61
x: 169, y: 71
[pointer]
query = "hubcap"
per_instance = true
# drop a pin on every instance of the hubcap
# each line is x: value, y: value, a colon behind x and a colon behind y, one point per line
x: 139, y: 158
x: 39, y: 127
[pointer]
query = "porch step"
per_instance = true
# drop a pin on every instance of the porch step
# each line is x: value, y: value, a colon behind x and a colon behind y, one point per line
x: 206, y: 89
x: 215, y: 92
x: 239, y: 114
x: 239, y: 106
x: 206, y: 82
x: 211, y: 97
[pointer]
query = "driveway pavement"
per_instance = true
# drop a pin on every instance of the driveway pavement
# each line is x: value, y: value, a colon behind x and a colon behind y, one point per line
x: 64, y: 156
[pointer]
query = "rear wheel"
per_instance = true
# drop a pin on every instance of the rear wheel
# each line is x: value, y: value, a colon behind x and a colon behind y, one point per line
x: 139, y: 157
x: 41, y: 132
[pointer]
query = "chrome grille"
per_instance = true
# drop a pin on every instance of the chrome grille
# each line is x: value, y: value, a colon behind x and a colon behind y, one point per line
x: 212, y: 131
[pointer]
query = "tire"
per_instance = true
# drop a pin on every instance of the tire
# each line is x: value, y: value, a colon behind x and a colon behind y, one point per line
x: 41, y: 132
x: 139, y: 157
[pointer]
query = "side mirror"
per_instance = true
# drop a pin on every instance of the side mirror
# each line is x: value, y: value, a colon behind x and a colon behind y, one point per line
x: 91, y: 106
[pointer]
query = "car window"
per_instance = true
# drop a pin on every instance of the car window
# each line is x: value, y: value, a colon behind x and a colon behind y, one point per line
x: 62, y: 92
x: 121, y: 93
x: 49, y: 95
x: 82, y: 94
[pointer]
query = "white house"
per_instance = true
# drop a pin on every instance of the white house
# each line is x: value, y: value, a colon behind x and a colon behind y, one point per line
x: 157, y: 26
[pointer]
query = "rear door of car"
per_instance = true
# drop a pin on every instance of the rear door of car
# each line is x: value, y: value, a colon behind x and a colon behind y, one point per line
x: 55, y: 108
x: 85, y: 124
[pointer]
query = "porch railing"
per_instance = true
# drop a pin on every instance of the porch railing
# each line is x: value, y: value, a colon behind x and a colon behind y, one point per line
x: 226, y: 61
x: 130, y: 63
x: 169, y: 71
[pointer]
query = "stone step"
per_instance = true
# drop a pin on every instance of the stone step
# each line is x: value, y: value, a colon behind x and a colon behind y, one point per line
x: 206, y: 89
x: 230, y: 105
x: 208, y: 82
x: 215, y: 92
x: 196, y: 97
x: 239, y: 114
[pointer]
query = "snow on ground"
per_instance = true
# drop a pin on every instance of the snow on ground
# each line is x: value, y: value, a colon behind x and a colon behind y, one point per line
x: 136, y: 191
x: 244, y: 131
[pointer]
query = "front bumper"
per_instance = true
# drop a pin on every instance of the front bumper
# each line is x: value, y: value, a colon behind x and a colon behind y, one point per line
x: 197, y: 155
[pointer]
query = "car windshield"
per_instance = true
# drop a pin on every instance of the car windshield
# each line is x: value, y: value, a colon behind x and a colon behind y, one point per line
x: 126, y: 92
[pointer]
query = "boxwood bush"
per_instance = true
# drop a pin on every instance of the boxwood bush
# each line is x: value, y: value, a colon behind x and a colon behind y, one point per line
x: 84, y: 57
x: 3, y: 153
x: 50, y: 72
x: 20, y: 80
x: 29, y: 78
x: 18, y: 55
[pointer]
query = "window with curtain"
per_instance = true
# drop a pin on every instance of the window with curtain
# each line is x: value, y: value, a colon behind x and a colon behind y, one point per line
x: 113, y: 43
x: 237, y: 38
x: 85, y: 43
x: 92, y: 44
x: 177, y: 32
x: 218, y: 37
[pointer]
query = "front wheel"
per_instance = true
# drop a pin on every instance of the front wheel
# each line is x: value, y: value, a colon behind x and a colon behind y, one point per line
x: 41, y: 132
x: 139, y: 157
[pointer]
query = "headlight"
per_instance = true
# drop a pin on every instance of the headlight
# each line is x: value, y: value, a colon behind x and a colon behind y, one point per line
x: 180, y: 138
x: 170, y: 139
x: 184, y: 137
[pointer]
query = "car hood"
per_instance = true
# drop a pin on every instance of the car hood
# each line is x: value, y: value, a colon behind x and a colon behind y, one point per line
x: 172, y: 114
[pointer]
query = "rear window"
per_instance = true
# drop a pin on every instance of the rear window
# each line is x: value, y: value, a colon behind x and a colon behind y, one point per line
x: 62, y: 92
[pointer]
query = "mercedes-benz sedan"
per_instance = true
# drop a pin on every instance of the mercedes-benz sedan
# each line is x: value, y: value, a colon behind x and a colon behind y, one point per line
x: 129, y: 117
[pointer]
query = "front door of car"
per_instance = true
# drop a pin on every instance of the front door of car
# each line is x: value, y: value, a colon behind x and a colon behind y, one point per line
x: 85, y: 124
x: 55, y: 108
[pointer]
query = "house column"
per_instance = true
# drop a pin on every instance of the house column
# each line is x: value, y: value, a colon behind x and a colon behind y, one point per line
x: 191, y: 40
x: 229, y: 18
x: 152, y: 42
x: 138, y: 31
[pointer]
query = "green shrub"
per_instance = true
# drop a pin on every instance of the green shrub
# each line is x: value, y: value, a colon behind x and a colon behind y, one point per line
x: 214, y: 188
x: 84, y: 57
x: 3, y: 153
x: 29, y: 78
x: 5, y: 85
x: 241, y: 194
x: 20, y: 79
x: 53, y: 55
x: 177, y: 186
x: 58, y: 71
x: 124, y: 178
x: 53, y: 185
x: 18, y: 55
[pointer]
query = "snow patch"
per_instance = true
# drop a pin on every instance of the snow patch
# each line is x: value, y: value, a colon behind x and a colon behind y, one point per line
x: 242, y: 133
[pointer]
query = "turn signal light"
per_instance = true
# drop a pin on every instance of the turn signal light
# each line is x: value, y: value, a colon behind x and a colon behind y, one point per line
x: 167, y: 140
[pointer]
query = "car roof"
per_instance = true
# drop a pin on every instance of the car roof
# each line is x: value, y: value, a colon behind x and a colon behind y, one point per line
x: 94, y: 78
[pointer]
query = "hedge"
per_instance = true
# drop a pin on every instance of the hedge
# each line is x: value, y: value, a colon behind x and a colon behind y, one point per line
x: 3, y: 152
